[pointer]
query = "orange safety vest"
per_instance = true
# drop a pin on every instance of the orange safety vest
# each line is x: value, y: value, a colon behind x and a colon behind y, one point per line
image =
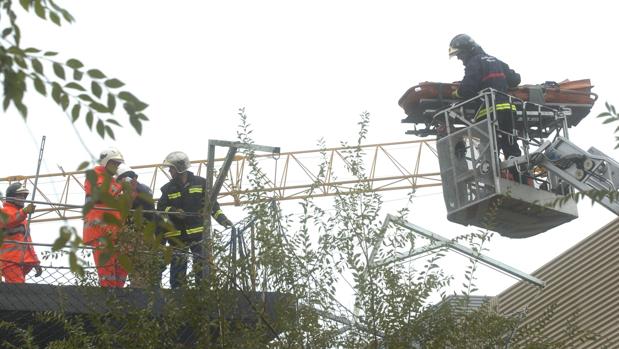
x: 15, y: 230
x: 93, y: 220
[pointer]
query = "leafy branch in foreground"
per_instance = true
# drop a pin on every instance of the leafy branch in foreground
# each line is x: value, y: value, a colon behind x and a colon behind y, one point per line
x: 77, y: 90
x: 611, y: 116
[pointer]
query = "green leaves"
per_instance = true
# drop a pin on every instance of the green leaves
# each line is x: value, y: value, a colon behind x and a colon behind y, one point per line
x: 56, y: 92
x: 100, y: 128
x: 39, y: 10
x: 39, y: 85
x: 75, y: 112
x: 109, y: 132
x: 25, y: 4
x: 98, y: 107
x: 74, y: 63
x: 114, y: 83
x: 136, y: 123
x: 96, y: 89
x: 6, y: 32
x: 95, y: 74
x: 111, y: 102
x: 58, y: 70
x: 611, y: 116
x: 14, y: 90
x: 75, y: 86
x: 77, y: 90
x: 83, y: 166
x: 37, y: 66
x: 62, y: 240
x: 89, y: 119
x: 53, y: 16
x: 47, y: 8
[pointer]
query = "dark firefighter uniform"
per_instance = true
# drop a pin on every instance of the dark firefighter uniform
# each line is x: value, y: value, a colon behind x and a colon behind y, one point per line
x: 134, y: 238
x: 483, y: 71
x: 188, y: 228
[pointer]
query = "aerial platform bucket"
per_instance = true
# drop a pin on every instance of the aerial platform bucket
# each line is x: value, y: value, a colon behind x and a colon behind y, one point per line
x: 475, y: 194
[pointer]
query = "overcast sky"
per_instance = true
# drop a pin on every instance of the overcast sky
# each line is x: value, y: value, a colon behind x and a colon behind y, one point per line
x: 306, y: 70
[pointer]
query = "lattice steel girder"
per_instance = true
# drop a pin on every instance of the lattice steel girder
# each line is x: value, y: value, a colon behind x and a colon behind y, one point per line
x: 452, y: 245
x: 295, y: 175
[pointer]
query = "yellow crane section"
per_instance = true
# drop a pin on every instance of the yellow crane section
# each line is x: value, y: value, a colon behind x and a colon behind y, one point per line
x: 295, y: 175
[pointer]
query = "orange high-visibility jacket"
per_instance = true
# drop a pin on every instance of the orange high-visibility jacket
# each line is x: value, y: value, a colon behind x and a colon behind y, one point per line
x: 15, y: 230
x: 93, y: 220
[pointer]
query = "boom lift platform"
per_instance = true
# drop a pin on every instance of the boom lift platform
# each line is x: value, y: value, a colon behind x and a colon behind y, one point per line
x: 478, y: 188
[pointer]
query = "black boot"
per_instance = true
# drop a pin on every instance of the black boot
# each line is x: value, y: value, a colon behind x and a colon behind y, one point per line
x: 518, y: 177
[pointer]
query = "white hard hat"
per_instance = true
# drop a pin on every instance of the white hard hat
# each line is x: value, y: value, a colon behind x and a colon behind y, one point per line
x: 110, y: 154
x: 124, y: 171
x: 178, y: 160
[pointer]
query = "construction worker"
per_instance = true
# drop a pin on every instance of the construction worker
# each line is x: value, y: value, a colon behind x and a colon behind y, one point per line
x: 144, y: 257
x: 483, y: 71
x: 99, y: 232
x: 141, y: 193
x: 17, y: 255
x: 184, y: 196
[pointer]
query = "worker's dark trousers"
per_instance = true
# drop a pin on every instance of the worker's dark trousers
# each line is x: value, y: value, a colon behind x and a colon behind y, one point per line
x: 508, y: 144
x: 178, y: 266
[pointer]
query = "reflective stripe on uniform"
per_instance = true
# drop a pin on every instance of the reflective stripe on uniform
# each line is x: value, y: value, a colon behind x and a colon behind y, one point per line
x: 93, y: 223
x: 481, y: 114
x: 112, y: 278
x: 195, y: 230
x: 12, y: 248
x: 176, y: 195
x: 17, y: 229
x: 493, y: 75
x: 195, y: 189
x: 170, y: 234
x: 218, y: 213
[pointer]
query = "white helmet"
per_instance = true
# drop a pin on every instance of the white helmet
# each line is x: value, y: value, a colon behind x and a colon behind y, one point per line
x: 110, y: 154
x: 124, y: 171
x: 178, y: 160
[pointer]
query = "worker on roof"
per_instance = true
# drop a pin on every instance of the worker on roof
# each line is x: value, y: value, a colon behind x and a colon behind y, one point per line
x: 101, y: 223
x: 483, y: 71
x: 17, y: 255
x: 138, y: 240
x: 184, y: 196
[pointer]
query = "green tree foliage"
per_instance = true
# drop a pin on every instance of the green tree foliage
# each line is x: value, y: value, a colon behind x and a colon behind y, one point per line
x: 304, y: 257
x: 80, y: 92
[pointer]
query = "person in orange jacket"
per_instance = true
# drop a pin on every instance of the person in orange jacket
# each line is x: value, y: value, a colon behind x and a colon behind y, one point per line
x: 16, y: 258
x: 96, y: 229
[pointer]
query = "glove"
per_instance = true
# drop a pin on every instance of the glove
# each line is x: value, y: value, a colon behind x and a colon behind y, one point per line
x: 29, y: 209
x: 455, y: 94
x: 38, y: 270
x: 180, y: 213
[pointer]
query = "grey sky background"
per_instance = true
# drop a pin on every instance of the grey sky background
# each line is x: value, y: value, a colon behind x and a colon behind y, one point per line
x: 306, y: 70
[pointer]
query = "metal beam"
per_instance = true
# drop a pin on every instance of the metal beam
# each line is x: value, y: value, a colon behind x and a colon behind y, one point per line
x: 400, y: 256
x: 467, y: 251
x: 263, y: 148
x: 294, y: 178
